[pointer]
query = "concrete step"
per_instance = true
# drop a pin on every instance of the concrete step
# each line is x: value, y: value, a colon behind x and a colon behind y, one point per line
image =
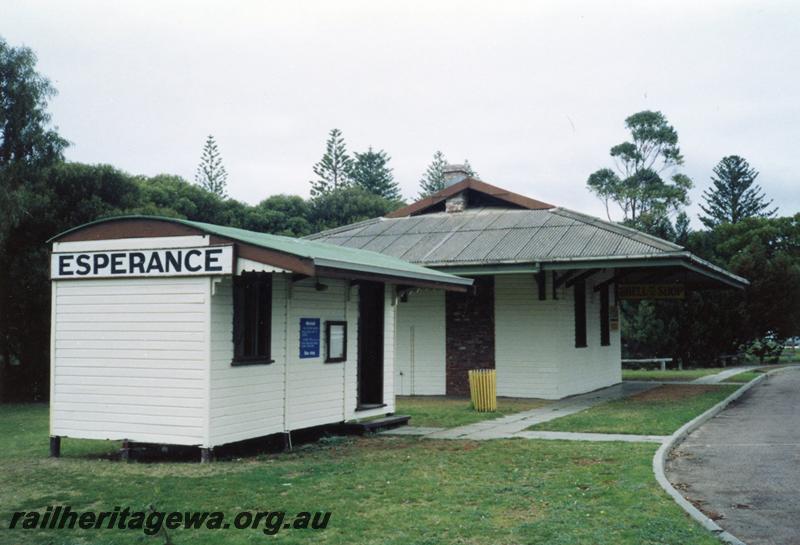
x: 373, y: 426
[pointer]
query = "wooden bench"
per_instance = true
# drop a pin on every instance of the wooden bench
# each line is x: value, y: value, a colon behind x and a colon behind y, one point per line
x: 662, y: 362
x: 728, y: 359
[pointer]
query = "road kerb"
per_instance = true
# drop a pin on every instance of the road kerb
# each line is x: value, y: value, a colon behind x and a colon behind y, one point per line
x: 660, y: 459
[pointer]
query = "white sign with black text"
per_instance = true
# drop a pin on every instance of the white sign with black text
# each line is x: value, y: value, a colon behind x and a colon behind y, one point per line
x: 205, y: 260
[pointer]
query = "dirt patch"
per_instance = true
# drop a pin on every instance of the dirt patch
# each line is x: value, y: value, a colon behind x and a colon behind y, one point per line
x: 517, y: 516
x: 677, y: 453
x: 383, y: 443
x: 453, y: 446
x: 588, y: 461
x: 673, y: 392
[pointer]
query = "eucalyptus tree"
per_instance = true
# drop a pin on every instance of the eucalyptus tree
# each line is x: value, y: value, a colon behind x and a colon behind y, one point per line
x: 645, y: 180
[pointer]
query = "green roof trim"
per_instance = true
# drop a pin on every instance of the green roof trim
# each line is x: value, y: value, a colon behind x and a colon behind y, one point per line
x: 321, y: 253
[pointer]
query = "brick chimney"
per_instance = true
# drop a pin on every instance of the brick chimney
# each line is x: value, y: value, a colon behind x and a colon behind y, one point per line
x: 452, y: 175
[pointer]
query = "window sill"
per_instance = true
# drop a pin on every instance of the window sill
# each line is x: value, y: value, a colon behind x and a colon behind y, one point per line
x: 242, y: 363
x: 336, y: 360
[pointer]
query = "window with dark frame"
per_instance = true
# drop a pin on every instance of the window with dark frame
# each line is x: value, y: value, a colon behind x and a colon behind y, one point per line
x: 252, y: 319
x: 335, y: 342
x: 605, y: 331
x: 579, y: 290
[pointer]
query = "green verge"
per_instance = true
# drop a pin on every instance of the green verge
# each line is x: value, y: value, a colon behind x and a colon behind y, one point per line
x: 646, y: 416
x: 380, y: 490
x: 449, y: 412
x: 746, y: 376
x: 671, y: 374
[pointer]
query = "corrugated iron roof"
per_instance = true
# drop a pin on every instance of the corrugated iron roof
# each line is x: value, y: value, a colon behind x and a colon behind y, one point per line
x: 496, y: 236
x: 516, y: 236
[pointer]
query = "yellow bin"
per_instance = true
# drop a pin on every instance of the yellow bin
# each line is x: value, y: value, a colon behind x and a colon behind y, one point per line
x: 483, y: 389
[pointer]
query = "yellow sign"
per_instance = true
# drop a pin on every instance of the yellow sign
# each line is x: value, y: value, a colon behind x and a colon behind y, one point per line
x: 651, y: 291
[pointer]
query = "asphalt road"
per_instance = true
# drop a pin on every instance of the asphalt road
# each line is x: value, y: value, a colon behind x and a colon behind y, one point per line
x: 743, y: 466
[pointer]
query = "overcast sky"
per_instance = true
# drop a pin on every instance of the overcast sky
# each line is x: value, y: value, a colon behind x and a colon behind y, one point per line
x: 532, y: 93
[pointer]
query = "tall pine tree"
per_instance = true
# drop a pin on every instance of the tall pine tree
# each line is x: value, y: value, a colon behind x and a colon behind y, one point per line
x: 211, y: 174
x: 371, y: 172
x: 733, y: 195
x: 335, y: 169
x: 433, y: 179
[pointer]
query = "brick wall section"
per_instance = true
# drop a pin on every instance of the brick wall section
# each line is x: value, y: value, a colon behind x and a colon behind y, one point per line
x: 470, y: 334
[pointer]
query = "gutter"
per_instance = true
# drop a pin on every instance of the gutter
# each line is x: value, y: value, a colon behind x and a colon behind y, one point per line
x: 444, y: 278
x: 676, y: 259
x: 681, y: 259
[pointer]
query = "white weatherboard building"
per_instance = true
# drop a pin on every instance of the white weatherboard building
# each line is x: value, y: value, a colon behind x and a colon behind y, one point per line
x: 544, y: 307
x: 177, y: 332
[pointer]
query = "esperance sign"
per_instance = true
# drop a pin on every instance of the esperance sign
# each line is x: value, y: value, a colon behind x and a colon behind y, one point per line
x: 205, y: 260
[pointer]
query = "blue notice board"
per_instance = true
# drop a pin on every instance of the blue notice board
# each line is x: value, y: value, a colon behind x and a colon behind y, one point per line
x: 309, y: 337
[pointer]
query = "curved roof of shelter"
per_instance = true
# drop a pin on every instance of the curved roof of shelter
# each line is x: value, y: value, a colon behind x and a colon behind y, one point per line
x: 316, y: 253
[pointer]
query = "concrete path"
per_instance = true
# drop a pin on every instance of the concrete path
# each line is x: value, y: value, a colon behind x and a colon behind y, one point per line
x: 741, y: 465
x: 724, y: 375
x: 578, y: 436
x: 510, y: 426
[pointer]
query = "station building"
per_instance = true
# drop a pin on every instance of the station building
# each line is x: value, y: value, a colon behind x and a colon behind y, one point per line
x: 544, y: 307
x: 169, y: 331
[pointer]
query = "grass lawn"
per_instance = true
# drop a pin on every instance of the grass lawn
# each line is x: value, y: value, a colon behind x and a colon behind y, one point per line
x: 745, y: 376
x: 669, y: 374
x: 790, y: 355
x: 449, y: 412
x: 379, y: 490
x: 659, y: 411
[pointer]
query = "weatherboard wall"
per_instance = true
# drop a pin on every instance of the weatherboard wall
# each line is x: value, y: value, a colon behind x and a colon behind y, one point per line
x: 534, y: 353
x: 535, y: 341
x: 293, y: 392
x: 315, y: 389
x: 420, y: 350
x: 130, y: 359
x: 149, y: 359
x: 595, y: 366
x: 129, y: 356
x: 245, y: 401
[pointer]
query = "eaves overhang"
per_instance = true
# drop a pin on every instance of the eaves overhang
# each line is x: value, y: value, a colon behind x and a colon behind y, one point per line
x: 682, y: 260
x: 685, y: 260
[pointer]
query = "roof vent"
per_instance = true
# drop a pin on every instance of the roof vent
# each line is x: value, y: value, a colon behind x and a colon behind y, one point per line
x: 454, y: 174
